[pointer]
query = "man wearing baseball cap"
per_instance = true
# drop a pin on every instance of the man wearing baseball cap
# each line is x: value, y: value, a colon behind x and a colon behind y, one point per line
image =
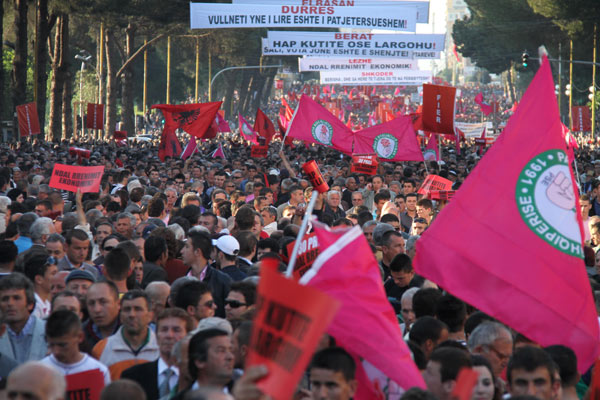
x: 227, y: 249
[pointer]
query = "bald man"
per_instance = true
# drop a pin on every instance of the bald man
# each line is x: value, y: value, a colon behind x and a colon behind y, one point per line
x: 49, y: 384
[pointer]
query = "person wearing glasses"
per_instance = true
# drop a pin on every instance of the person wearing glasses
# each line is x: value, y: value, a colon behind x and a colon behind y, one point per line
x: 241, y: 299
x: 40, y: 269
x: 493, y: 341
x: 197, y: 300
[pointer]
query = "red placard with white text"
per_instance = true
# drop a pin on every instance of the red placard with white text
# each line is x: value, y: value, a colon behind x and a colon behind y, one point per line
x: 85, y: 385
x: 257, y: 151
x: 307, y: 253
x: 29, y: 123
x: 438, y: 108
x: 582, y: 122
x: 434, y: 183
x: 364, y: 164
x: 72, y: 177
x: 289, y: 322
x: 95, y: 116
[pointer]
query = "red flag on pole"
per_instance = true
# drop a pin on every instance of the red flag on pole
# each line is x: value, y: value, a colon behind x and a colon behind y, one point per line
x: 95, y: 116
x: 393, y: 141
x: 313, y: 123
x: 366, y: 324
x: 29, y: 123
x: 438, y: 108
x: 264, y: 126
x: 246, y: 130
x: 218, y: 152
x: 223, y: 125
x: 520, y: 261
x: 195, y: 119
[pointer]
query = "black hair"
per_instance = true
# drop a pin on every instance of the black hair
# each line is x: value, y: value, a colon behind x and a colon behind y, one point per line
x: 530, y: 358
x: 335, y: 359
x: 8, y: 251
x: 247, y: 241
x: 200, y: 240
x: 452, y: 311
x: 451, y: 361
x: 424, y: 302
x: 154, y: 247
x: 566, y: 360
x: 247, y: 289
x: 62, y: 322
x: 198, y: 348
x: 136, y: 294
x: 117, y: 264
x: 426, y: 328
x: 190, y: 293
x: 401, y: 263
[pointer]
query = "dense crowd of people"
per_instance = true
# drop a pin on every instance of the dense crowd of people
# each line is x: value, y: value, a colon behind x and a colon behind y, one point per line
x: 152, y: 281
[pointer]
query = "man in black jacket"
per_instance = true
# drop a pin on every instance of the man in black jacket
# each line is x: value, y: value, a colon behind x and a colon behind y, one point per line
x: 158, y: 378
x: 156, y: 255
x: 196, y: 254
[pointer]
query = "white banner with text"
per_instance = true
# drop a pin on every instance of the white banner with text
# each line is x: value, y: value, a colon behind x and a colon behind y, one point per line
x: 307, y: 64
x: 371, y: 78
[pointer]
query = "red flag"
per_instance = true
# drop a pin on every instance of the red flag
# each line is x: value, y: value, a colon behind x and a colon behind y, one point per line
x: 95, y: 116
x: 313, y: 123
x: 218, y: 152
x: 195, y: 119
x: 366, y: 324
x: 455, y: 51
x: 29, y: 123
x: 438, y: 108
x: 431, y: 150
x: 190, y: 149
x: 120, y: 135
x: 397, y: 92
x: 485, y: 107
x: 520, y: 261
x: 289, y: 113
x: 582, y: 121
x: 465, y: 382
x: 246, y: 130
x: 395, y: 141
x: 169, y: 144
x: 264, y: 126
x: 223, y: 125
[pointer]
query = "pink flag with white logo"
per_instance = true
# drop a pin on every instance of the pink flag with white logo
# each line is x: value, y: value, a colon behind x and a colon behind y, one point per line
x: 519, y: 256
x: 431, y: 152
x: 246, y: 130
x: 365, y: 324
x: 313, y: 123
x: 395, y: 141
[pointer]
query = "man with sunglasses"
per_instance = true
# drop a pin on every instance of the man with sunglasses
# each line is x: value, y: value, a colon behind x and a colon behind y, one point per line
x: 241, y: 299
x: 40, y: 269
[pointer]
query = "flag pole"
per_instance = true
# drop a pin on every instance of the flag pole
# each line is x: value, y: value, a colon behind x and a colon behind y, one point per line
x: 301, y: 232
x: 289, y: 126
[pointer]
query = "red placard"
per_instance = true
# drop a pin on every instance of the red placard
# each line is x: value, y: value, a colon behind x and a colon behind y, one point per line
x: 364, y: 164
x: 438, y: 108
x: 95, y: 116
x: 307, y: 253
x: 29, y: 123
x: 289, y: 322
x: 441, y: 194
x: 71, y: 178
x: 85, y: 385
x: 278, y: 84
x: 257, y: 151
x: 120, y: 135
x: 582, y: 121
x: 434, y: 183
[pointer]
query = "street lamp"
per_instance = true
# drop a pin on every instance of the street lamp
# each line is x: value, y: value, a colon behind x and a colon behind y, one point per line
x: 84, y: 57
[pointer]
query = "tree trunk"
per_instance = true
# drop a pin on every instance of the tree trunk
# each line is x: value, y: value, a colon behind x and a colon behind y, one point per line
x: 19, y: 77
x: 127, y: 111
x: 67, y: 94
x: 59, y: 66
x: 244, y: 90
x: 111, y: 89
x: 42, y: 32
x: 228, y: 98
x: 248, y: 90
x: 102, y: 75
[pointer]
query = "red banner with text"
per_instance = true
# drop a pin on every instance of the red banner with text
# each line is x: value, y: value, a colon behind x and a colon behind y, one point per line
x: 364, y: 164
x: 582, y: 121
x: 95, y: 116
x: 29, y: 123
x: 438, y: 108
x: 72, y: 177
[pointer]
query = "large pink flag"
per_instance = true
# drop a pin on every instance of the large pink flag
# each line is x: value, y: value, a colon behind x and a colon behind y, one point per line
x: 246, y: 130
x: 519, y: 256
x: 313, y: 123
x: 365, y: 324
x: 394, y: 140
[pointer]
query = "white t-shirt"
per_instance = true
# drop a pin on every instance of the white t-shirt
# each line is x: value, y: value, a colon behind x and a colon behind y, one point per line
x: 87, y: 363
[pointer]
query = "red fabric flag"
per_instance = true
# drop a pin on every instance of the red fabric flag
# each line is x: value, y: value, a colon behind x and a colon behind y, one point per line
x: 397, y: 92
x: 431, y: 150
x: 521, y: 260
x: 365, y: 324
x: 169, y: 144
x: 465, y: 382
x: 29, y: 123
x: 455, y: 51
x: 95, y: 116
x: 190, y: 149
x: 485, y: 107
x: 195, y: 119
x: 313, y: 123
x: 582, y: 122
x: 264, y: 126
x: 246, y: 130
x: 289, y: 113
x: 218, y: 152
x: 393, y: 141
x: 438, y: 108
x: 223, y: 125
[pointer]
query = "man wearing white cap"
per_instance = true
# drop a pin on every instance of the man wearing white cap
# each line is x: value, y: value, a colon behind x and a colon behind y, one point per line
x: 227, y: 249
